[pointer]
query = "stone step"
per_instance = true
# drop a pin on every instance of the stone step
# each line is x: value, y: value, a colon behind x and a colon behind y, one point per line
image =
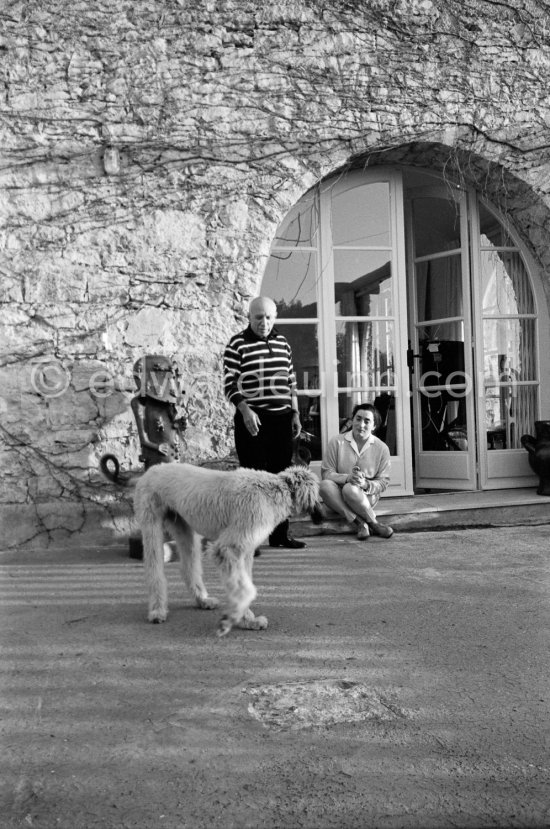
x: 446, y: 510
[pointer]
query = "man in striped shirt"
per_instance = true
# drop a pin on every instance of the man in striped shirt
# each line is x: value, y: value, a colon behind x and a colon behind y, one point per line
x: 259, y: 380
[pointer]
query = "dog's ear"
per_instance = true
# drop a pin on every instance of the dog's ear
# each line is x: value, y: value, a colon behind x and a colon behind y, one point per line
x: 303, y: 486
x: 293, y: 476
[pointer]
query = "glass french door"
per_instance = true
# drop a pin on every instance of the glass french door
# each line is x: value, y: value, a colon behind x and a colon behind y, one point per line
x: 506, y: 327
x: 443, y: 339
x: 440, y: 356
x: 337, y: 274
x: 474, y: 344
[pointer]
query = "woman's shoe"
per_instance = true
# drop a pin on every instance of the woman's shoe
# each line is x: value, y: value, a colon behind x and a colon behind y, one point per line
x: 380, y: 529
x: 363, y: 532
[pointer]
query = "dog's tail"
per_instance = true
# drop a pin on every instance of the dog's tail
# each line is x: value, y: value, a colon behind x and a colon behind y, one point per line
x: 110, y: 467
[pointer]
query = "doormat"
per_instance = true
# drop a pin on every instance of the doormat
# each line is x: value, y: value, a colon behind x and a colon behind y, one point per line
x: 320, y: 703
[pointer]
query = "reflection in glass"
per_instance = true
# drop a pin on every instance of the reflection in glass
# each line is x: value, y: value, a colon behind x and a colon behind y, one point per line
x: 505, y: 287
x: 509, y: 349
x: 510, y: 412
x: 439, y: 288
x: 361, y: 216
x: 300, y: 226
x: 384, y: 402
x: 310, y: 418
x: 290, y: 280
x: 443, y: 416
x: 509, y: 340
x: 436, y: 225
x: 303, y: 341
x: 362, y: 283
x: 442, y: 388
x: 365, y: 354
x: 441, y: 349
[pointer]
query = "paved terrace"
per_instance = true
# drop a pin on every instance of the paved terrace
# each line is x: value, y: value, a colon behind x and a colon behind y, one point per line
x: 400, y: 683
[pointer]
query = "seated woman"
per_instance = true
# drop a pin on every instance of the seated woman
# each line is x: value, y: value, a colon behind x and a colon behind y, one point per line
x: 355, y: 471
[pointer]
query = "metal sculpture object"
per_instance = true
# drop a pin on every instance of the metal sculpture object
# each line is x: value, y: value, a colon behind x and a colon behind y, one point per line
x: 157, y: 408
x: 161, y: 422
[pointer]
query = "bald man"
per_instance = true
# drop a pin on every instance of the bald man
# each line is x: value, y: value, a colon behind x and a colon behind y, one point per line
x: 259, y: 380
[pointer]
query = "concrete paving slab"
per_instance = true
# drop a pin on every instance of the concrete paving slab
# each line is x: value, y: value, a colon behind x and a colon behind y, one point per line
x: 400, y: 683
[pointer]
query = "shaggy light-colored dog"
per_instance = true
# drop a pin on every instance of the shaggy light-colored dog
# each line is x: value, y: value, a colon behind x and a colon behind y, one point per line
x: 235, y: 511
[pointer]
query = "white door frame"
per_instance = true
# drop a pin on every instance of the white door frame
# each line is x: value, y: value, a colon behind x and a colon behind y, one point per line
x: 401, y: 482
x: 456, y: 470
x: 509, y: 468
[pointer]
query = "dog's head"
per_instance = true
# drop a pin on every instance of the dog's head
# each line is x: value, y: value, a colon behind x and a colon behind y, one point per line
x: 303, y: 486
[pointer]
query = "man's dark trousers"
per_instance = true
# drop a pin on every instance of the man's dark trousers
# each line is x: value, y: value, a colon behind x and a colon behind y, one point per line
x: 270, y: 450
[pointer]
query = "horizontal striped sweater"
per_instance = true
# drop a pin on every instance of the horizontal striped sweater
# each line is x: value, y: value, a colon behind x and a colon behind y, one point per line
x: 259, y: 370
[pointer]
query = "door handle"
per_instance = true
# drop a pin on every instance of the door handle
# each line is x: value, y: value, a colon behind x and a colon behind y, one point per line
x: 411, y: 357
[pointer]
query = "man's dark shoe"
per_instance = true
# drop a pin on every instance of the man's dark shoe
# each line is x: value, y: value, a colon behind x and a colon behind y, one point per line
x: 257, y: 552
x: 290, y: 543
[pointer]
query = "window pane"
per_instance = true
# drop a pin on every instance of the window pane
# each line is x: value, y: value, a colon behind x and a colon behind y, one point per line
x: 303, y: 341
x: 310, y: 418
x: 441, y: 360
x: 362, y: 283
x: 510, y: 350
x: 436, y: 225
x: 361, y: 216
x: 439, y: 288
x: 385, y: 404
x: 510, y: 412
x: 505, y: 284
x: 492, y: 231
x: 443, y: 415
x: 365, y: 356
x: 300, y: 226
x: 290, y: 280
x: 442, y: 410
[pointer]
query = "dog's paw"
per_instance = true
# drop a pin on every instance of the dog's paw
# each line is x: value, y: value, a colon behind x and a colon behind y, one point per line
x: 253, y: 623
x: 156, y: 617
x: 207, y: 603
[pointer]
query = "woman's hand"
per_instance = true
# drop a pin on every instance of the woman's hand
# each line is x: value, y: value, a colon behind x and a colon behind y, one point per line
x: 356, y: 477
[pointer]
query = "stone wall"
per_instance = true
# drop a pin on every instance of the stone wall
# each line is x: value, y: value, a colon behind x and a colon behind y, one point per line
x: 149, y: 150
